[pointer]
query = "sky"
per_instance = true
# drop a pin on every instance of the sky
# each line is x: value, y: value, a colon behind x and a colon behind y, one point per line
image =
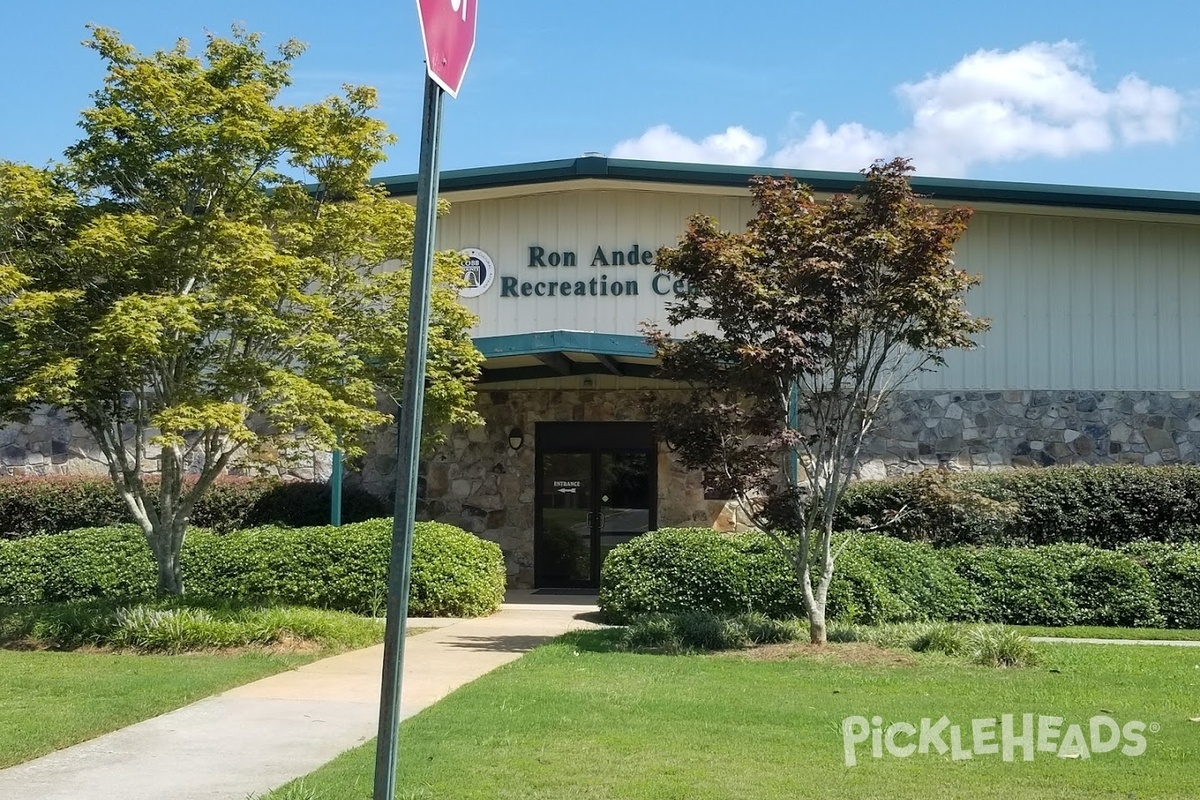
x: 1095, y: 93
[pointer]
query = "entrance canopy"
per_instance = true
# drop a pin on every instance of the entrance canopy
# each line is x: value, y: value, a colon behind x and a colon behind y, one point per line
x: 559, y: 354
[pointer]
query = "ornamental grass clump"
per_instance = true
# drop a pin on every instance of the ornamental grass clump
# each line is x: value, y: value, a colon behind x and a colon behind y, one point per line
x: 998, y: 646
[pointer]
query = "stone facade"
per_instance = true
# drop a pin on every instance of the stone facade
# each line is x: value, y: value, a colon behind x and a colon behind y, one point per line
x: 52, y: 444
x: 478, y: 482
x: 1005, y: 429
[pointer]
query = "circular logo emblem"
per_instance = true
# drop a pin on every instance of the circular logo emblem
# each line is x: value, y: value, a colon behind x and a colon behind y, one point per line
x: 478, y: 272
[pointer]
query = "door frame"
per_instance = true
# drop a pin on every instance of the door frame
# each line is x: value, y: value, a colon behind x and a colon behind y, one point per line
x: 591, y: 438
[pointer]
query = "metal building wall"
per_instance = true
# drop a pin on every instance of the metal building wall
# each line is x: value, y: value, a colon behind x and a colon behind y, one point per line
x: 1078, y: 299
x: 1080, y: 302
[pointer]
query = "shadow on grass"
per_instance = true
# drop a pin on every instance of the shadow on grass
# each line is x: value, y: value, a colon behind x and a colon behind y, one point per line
x: 592, y: 641
x: 605, y: 640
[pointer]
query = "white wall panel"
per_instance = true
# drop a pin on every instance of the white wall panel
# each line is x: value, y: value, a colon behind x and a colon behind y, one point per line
x: 578, y: 222
x: 1076, y: 301
x: 1080, y: 303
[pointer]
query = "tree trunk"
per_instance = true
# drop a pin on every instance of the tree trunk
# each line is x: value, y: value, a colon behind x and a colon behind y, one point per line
x: 816, y: 624
x: 167, y: 543
x: 814, y: 598
x: 816, y: 593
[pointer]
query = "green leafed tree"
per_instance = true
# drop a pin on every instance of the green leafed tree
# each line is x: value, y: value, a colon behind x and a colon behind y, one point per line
x: 208, y: 278
x: 809, y: 319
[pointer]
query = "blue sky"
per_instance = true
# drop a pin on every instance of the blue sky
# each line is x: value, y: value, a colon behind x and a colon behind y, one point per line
x: 1056, y: 91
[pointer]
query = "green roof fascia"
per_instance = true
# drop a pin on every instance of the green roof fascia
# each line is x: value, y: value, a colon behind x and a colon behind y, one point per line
x: 529, y: 344
x: 534, y: 373
x: 950, y: 189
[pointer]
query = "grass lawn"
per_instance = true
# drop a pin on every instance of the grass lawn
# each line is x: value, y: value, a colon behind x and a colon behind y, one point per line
x: 73, y: 672
x: 573, y: 720
x: 49, y: 700
x: 1082, y: 632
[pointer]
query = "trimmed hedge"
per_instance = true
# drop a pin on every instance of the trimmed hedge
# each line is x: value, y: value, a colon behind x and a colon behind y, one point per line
x: 673, y: 570
x: 879, y: 579
x: 886, y: 580
x: 36, y: 505
x: 1104, y: 507
x: 454, y: 573
x: 1174, y: 573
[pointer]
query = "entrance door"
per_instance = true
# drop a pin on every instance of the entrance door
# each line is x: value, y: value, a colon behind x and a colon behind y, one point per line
x: 596, y: 489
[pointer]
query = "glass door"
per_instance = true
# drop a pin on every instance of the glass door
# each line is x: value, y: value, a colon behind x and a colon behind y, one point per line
x: 563, y: 552
x: 596, y: 487
x: 625, y: 486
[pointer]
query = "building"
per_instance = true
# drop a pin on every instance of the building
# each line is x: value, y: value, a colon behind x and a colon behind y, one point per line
x: 1094, y: 296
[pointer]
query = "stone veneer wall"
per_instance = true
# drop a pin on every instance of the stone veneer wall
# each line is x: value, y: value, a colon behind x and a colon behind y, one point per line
x: 52, y: 444
x: 1002, y: 430
x: 476, y: 481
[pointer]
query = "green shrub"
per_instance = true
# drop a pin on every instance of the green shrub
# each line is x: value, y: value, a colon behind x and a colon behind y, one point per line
x: 1107, y: 587
x: 897, y: 581
x: 233, y: 504
x: 113, y: 563
x: 453, y: 572
x: 1017, y: 586
x: 880, y: 580
x: 674, y: 570
x: 1103, y: 507
x: 1057, y: 585
x: 1174, y: 573
x: 876, y: 579
x: 931, y: 506
x: 858, y: 593
x: 53, y: 505
x: 35, y: 505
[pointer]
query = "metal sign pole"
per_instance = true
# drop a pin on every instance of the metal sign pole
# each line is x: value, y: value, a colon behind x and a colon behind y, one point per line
x: 335, y: 485
x: 408, y: 447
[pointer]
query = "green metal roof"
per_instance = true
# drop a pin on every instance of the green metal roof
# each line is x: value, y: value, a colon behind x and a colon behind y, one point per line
x: 532, y: 344
x: 951, y: 189
x: 556, y: 354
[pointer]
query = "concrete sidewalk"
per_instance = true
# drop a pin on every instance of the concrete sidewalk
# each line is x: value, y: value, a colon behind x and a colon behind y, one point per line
x: 1162, y: 642
x: 257, y: 737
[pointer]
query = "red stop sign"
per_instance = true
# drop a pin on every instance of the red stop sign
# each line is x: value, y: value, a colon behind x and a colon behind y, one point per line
x: 448, y: 28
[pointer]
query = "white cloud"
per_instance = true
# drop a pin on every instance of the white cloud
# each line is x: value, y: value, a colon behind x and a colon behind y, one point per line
x: 848, y: 147
x: 735, y: 146
x: 992, y: 106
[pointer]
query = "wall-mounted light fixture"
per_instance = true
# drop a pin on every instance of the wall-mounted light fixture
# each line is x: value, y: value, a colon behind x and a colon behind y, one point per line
x: 516, y: 438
